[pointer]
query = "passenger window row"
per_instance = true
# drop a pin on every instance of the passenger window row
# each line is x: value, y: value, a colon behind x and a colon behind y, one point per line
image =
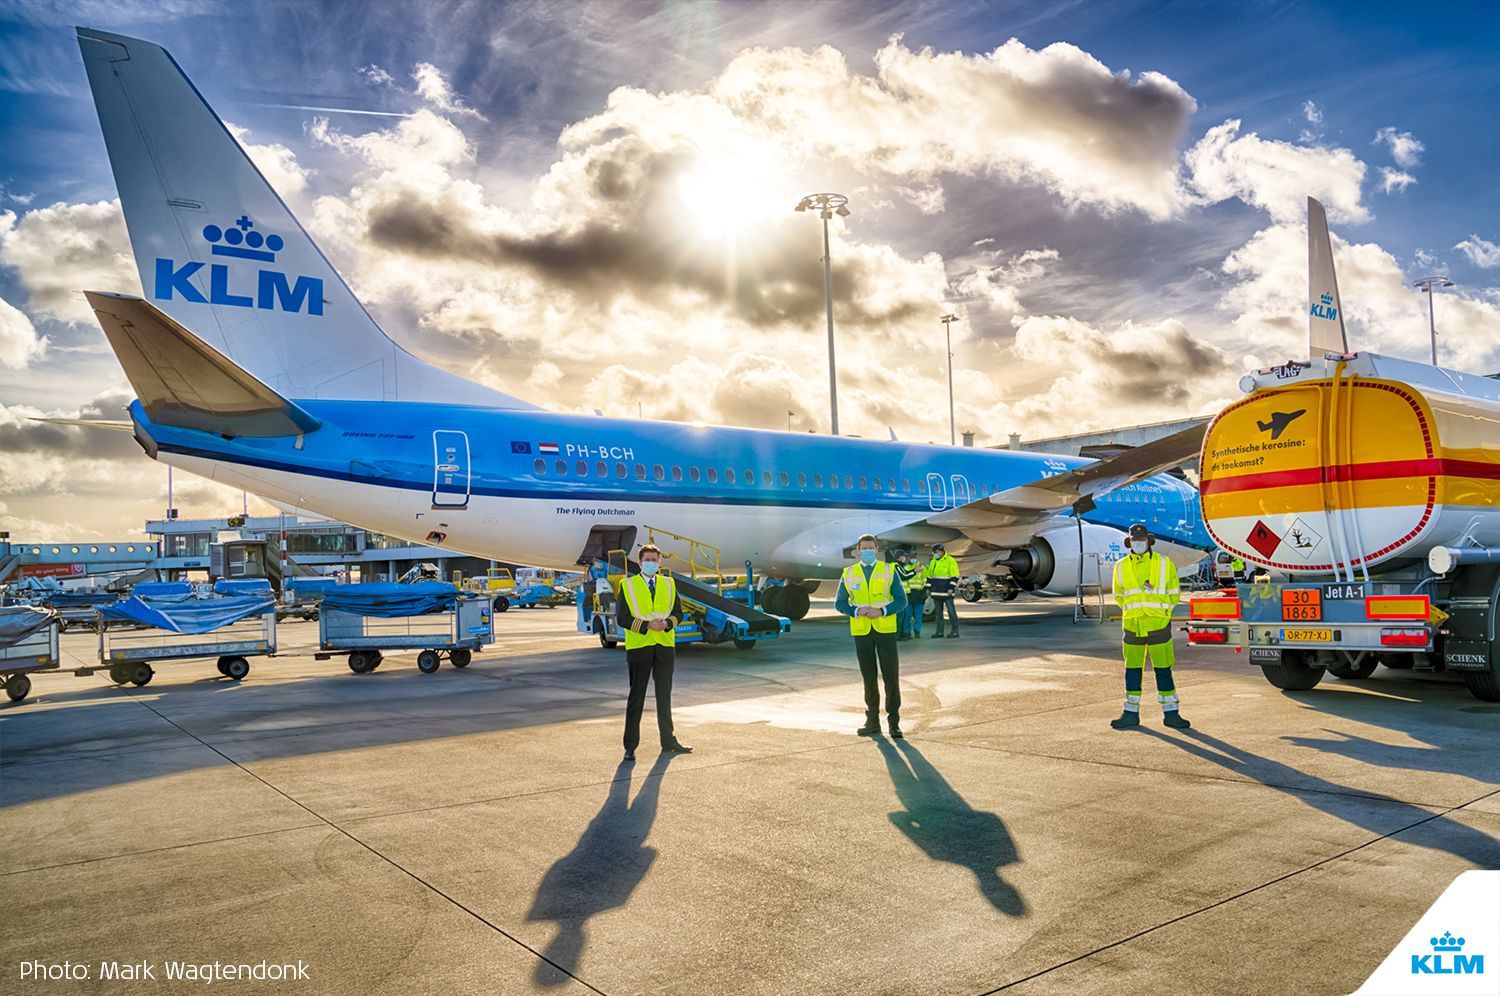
x: 658, y: 472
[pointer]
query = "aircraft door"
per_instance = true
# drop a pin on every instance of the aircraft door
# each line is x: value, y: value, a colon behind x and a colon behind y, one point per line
x: 937, y: 492
x: 450, y: 469
x: 960, y: 490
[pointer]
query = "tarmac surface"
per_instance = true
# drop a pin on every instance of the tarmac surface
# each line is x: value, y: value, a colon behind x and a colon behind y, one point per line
x: 476, y: 830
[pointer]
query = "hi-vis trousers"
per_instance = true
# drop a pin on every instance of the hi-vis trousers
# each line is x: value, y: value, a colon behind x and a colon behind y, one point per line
x: 1157, y: 645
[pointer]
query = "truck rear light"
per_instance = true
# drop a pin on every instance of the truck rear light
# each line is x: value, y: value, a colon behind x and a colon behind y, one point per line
x: 1214, y: 608
x: 1208, y: 634
x: 1403, y: 638
x: 1397, y: 607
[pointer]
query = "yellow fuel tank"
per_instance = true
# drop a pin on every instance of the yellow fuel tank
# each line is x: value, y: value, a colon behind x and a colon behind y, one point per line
x: 1340, y: 465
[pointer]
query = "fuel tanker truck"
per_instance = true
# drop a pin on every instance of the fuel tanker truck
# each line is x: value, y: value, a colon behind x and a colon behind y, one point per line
x: 1369, y: 487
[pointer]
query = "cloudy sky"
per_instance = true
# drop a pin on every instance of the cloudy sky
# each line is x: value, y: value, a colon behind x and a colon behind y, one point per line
x: 589, y: 204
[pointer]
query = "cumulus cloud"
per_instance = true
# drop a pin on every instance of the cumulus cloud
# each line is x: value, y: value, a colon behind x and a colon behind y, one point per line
x: 277, y: 163
x: 1481, y: 252
x: 1394, y: 181
x: 1276, y: 176
x: 19, y: 342
x: 1152, y: 371
x: 1403, y: 145
x: 433, y: 87
x: 62, y: 250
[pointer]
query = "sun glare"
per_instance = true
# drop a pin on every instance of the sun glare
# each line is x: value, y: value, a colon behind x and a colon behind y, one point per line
x: 732, y: 195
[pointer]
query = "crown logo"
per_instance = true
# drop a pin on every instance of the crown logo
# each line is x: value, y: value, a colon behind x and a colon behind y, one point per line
x: 1326, y: 299
x: 242, y: 241
x: 1447, y: 942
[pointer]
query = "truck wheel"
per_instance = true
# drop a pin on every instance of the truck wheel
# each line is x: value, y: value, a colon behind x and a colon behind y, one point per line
x: 1009, y: 594
x: 1397, y: 662
x: 235, y: 667
x: 1483, y: 685
x: 973, y: 592
x: 460, y: 657
x: 1354, y: 672
x: 428, y: 662
x: 794, y: 602
x: 501, y: 603
x: 119, y: 674
x: 360, y: 661
x: 141, y: 674
x: 17, y: 687
x: 1292, y: 674
x: 603, y: 635
x: 744, y: 644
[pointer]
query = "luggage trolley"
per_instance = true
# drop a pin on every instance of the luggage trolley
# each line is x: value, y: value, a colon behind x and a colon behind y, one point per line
x: 460, y: 624
x: 127, y: 649
x: 28, y: 642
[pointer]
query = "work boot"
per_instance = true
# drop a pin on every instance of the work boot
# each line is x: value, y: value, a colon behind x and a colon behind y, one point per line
x: 953, y: 635
x: 1173, y: 719
x: 938, y: 635
x: 870, y: 729
x: 896, y: 733
x: 1128, y: 720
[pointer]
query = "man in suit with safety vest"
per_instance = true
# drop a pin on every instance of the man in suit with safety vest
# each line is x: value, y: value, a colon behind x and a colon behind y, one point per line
x: 873, y: 599
x: 648, y: 610
x: 1145, y: 588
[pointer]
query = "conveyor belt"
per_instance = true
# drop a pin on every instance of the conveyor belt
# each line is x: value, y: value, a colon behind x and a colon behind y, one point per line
x: 697, y: 591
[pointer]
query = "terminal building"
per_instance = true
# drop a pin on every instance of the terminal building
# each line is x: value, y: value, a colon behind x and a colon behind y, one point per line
x: 238, y: 546
x: 1109, y: 442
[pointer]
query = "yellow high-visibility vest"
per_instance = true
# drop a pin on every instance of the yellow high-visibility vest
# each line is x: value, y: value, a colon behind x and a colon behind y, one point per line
x: 1146, y: 589
x: 637, y: 592
x: 876, y: 591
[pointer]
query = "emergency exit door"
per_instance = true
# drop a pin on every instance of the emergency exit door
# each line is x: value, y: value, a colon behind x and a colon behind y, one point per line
x: 450, y: 469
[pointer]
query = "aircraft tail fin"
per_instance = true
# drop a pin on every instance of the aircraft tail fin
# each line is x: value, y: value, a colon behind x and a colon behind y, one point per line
x: 220, y: 252
x: 1325, y: 316
x: 183, y: 381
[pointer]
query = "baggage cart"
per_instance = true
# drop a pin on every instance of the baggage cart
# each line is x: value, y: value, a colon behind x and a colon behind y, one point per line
x: 36, y: 651
x: 127, y: 651
x: 452, y: 633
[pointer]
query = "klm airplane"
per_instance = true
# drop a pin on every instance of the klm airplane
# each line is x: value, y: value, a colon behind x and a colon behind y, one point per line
x: 255, y: 365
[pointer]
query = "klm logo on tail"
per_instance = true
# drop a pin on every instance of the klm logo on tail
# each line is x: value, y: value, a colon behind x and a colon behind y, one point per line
x: 273, y: 290
x: 1324, y: 308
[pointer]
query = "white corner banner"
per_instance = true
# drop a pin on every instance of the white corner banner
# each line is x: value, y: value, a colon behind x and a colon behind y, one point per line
x: 1454, y: 950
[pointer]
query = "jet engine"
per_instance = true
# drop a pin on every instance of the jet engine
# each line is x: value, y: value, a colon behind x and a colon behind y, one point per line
x: 1048, y: 564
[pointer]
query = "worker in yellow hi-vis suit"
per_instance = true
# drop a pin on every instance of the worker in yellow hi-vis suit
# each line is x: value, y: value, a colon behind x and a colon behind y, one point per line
x: 1146, y: 589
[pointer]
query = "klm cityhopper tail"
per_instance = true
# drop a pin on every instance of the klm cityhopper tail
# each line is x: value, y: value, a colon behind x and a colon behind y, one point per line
x: 256, y: 366
x: 219, y: 251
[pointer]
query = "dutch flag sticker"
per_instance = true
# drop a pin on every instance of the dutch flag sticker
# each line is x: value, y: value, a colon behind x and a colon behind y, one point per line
x: 547, y: 447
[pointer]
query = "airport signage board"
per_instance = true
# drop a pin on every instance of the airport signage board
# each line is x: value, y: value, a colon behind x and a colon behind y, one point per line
x: 52, y: 570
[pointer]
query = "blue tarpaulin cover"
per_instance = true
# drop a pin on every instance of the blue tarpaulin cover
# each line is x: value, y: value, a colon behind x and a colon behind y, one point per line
x: 17, y: 622
x: 242, y: 586
x: 390, y: 600
x: 201, y: 615
x: 156, y: 589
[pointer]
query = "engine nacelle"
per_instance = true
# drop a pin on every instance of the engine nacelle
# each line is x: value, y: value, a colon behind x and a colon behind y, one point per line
x: 1048, y: 565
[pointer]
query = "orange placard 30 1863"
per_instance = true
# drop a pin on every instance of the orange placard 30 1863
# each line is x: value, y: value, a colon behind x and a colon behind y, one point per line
x: 1301, y: 605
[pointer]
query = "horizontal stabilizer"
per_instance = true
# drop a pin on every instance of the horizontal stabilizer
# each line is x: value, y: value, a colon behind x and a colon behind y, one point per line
x: 183, y: 381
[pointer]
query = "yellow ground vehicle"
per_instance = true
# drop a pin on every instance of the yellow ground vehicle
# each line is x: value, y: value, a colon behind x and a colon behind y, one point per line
x: 498, y: 584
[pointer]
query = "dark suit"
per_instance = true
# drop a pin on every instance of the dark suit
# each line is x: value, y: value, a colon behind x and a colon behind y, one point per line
x: 646, y: 664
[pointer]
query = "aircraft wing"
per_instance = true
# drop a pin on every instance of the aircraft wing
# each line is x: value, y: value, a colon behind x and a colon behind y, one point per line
x: 89, y: 423
x: 1040, y: 500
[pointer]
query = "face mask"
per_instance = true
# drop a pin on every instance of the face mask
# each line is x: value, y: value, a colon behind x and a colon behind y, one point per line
x: 867, y: 557
x: 938, y: 552
x: 1137, y: 546
x: 649, y: 568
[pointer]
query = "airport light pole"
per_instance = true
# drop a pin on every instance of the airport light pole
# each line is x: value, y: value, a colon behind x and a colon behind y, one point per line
x: 1427, y: 284
x: 828, y: 205
x: 948, y: 321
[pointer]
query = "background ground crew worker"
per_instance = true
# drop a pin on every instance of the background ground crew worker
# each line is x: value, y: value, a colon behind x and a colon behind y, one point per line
x: 873, y: 599
x: 1238, y: 567
x: 916, y: 597
x: 648, y: 610
x: 1145, y: 588
x: 942, y: 586
x: 906, y: 574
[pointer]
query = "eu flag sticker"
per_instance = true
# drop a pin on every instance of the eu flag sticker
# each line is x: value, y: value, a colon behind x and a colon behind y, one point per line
x: 516, y: 446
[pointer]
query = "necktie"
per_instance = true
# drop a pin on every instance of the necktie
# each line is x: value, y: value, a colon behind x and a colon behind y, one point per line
x: 651, y: 587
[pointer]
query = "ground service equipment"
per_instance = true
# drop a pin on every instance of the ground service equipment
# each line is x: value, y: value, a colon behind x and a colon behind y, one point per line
x: 1373, y: 485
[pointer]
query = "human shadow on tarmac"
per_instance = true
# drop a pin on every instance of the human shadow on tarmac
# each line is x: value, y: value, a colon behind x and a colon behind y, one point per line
x: 943, y: 824
x: 1380, y: 815
x: 600, y: 873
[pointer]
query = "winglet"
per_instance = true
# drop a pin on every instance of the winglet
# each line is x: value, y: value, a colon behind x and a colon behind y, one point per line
x: 1325, y: 315
x: 182, y: 381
